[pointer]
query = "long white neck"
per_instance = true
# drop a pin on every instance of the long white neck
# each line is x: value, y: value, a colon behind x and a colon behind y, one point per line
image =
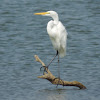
x: 56, y: 19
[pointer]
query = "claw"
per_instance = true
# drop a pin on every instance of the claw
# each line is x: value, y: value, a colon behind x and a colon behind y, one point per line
x: 41, y: 68
x: 44, y: 69
x: 58, y: 81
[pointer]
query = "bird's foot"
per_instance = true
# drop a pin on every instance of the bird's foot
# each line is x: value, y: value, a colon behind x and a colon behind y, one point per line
x: 45, y: 69
x: 58, y: 81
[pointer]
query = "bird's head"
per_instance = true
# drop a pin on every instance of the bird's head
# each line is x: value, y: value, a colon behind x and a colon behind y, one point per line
x: 52, y: 14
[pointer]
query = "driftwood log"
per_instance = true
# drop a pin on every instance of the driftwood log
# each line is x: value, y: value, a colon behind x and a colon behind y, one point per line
x: 50, y: 77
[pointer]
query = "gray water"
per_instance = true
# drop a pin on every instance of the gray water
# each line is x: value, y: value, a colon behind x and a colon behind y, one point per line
x: 23, y: 35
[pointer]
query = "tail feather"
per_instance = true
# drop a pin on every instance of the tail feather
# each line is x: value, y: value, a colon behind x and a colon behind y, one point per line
x: 62, y: 52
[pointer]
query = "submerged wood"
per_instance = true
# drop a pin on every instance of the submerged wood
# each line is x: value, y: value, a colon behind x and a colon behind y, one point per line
x: 50, y: 77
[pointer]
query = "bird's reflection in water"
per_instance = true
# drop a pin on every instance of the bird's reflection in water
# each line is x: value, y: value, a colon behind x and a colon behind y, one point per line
x: 56, y: 97
x: 56, y: 94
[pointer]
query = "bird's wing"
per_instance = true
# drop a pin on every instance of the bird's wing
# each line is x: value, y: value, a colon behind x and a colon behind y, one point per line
x: 53, y: 34
x: 63, y: 39
x: 58, y: 36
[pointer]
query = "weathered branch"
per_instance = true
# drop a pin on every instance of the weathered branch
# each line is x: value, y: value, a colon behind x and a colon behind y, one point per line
x: 50, y: 77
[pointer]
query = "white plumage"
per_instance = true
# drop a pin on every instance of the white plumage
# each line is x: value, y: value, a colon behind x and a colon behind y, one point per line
x: 57, y: 32
x: 58, y: 35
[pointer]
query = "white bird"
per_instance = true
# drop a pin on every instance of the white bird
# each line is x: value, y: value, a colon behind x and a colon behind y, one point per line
x: 57, y: 34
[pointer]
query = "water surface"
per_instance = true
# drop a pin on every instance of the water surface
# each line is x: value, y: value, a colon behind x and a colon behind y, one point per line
x: 22, y: 35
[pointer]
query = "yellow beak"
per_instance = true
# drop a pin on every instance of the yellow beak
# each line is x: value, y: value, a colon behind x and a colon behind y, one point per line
x: 42, y: 13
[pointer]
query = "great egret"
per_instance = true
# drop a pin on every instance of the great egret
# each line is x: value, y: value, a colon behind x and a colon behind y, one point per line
x: 57, y: 34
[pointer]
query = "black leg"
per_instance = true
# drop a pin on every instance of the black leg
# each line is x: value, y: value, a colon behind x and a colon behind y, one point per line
x: 52, y: 59
x: 58, y: 68
x: 49, y: 63
x: 59, y: 73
